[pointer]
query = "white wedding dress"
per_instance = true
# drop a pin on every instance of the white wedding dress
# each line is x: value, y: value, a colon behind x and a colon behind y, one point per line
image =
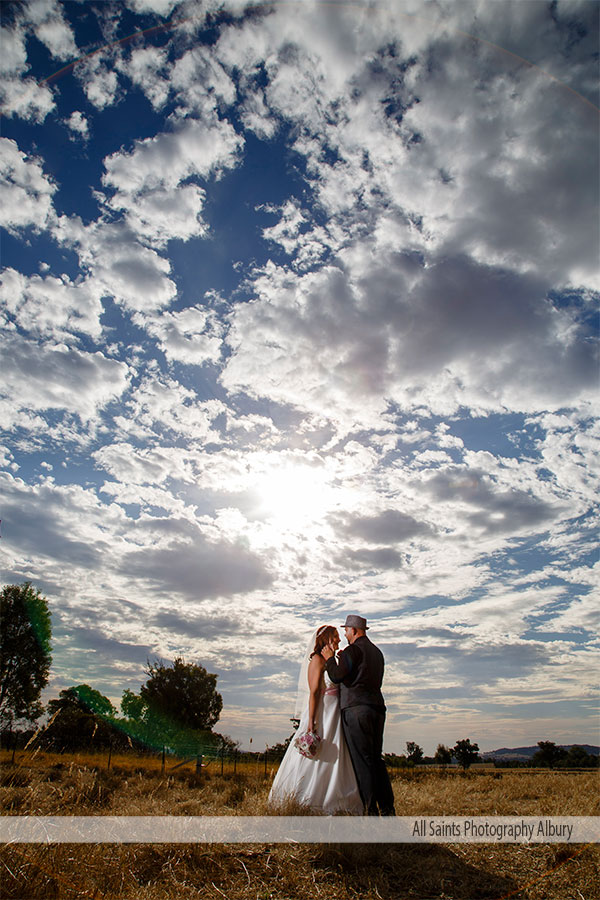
x: 326, y: 783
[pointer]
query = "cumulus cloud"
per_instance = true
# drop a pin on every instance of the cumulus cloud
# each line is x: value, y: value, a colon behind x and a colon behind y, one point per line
x: 100, y: 83
x: 491, y: 510
x: 388, y: 527
x: 162, y: 405
x: 146, y: 67
x: 25, y: 191
x: 194, y: 148
x: 52, y: 30
x: 159, y: 7
x: 52, y: 307
x: 25, y: 99
x: 134, y: 275
x: 200, y: 83
x: 46, y: 376
x: 43, y: 529
x: 78, y: 124
x: 147, y: 181
x: 14, y: 53
x: 160, y: 215
x: 192, y: 336
x: 455, y: 333
x: 198, y: 569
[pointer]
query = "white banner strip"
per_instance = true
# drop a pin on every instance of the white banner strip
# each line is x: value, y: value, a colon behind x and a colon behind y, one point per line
x: 299, y: 829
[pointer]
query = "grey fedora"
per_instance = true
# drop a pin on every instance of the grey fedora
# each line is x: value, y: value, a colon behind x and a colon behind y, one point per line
x: 356, y: 622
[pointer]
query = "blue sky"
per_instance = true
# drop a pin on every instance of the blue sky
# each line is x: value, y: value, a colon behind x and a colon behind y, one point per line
x: 299, y: 318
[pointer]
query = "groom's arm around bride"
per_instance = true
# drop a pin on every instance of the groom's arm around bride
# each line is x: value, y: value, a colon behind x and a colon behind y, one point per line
x: 359, y: 672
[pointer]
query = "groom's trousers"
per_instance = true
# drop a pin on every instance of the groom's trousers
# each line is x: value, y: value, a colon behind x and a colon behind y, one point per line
x: 363, y: 730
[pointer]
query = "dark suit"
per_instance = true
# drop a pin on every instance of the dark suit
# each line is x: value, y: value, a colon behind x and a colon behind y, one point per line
x: 359, y: 672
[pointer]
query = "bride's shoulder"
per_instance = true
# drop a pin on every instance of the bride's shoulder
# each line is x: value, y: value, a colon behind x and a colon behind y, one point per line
x: 317, y: 661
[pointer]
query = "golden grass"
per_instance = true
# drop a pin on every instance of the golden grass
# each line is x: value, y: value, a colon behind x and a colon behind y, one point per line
x: 47, y: 785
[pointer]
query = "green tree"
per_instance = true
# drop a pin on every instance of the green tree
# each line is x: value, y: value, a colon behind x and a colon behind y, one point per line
x: 414, y: 753
x: 184, y: 693
x: 132, y: 706
x: 578, y: 758
x: 81, y: 717
x: 443, y: 755
x: 549, y: 755
x: 466, y: 752
x: 25, y: 652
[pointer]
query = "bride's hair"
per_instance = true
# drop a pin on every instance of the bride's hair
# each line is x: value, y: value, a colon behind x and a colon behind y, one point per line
x: 324, y: 635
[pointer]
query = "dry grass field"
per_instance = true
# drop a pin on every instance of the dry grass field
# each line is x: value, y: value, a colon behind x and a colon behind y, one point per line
x: 47, y: 785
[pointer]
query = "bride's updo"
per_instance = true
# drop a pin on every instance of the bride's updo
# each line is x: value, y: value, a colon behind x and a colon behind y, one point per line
x: 324, y: 636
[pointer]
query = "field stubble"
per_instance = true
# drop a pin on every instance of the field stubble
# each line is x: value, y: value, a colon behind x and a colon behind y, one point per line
x: 54, y: 786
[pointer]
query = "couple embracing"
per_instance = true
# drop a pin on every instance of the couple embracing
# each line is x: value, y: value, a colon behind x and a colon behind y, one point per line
x: 340, y: 702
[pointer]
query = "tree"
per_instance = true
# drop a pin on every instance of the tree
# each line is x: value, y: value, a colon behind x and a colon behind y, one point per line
x: 466, y: 752
x: 80, y: 717
x: 25, y: 652
x: 177, y: 707
x: 132, y: 706
x: 443, y: 755
x: 548, y: 755
x: 184, y: 693
x: 84, y: 698
x: 414, y: 753
x: 579, y: 758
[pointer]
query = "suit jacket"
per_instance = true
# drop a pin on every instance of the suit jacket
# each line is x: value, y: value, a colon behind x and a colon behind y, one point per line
x: 359, y: 672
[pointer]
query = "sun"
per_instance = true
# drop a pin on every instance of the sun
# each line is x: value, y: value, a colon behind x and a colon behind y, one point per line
x: 293, y: 495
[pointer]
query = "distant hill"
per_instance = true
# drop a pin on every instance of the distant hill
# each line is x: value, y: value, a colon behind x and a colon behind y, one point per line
x: 527, y: 752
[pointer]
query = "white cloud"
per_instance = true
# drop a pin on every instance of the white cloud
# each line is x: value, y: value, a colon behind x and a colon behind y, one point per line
x: 135, y: 276
x: 45, y: 376
x: 200, y: 83
x: 159, y: 7
x: 38, y: 519
x: 14, y: 54
x: 26, y: 99
x: 159, y: 215
x: 194, y: 148
x: 78, y: 124
x: 159, y: 404
x: 57, y: 36
x: 148, y: 466
x: 192, y: 336
x: 148, y: 180
x: 441, y: 336
x: 52, y: 307
x: 25, y: 191
x: 7, y: 460
x: 257, y: 117
x: 100, y: 83
x: 146, y: 67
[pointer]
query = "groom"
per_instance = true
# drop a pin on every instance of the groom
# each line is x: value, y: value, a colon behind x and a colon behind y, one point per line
x: 359, y: 671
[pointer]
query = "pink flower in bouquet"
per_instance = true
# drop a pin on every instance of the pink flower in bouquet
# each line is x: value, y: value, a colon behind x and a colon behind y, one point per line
x: 308, y: 744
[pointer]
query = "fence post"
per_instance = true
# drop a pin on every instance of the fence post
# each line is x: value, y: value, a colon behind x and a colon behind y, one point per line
x: 198, y: 763
x: 109, y: 756
x: 222, y: 757
x: 162, y: 766
x: 266, y: 753
x: 14, y: 747
x: 235, y: 753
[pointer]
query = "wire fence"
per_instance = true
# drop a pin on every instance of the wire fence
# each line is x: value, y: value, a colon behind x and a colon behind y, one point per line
x: 203, y: 761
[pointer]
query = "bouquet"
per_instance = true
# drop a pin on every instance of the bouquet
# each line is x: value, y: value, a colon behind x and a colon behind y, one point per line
x: 307, y: 744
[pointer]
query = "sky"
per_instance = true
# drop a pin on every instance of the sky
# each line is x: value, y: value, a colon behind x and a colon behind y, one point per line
x: 299, y: 318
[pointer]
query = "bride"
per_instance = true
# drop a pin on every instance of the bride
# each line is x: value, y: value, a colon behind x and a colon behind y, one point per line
x: 325, y: 783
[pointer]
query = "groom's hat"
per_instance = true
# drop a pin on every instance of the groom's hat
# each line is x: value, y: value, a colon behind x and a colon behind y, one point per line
x: 356, y: 622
